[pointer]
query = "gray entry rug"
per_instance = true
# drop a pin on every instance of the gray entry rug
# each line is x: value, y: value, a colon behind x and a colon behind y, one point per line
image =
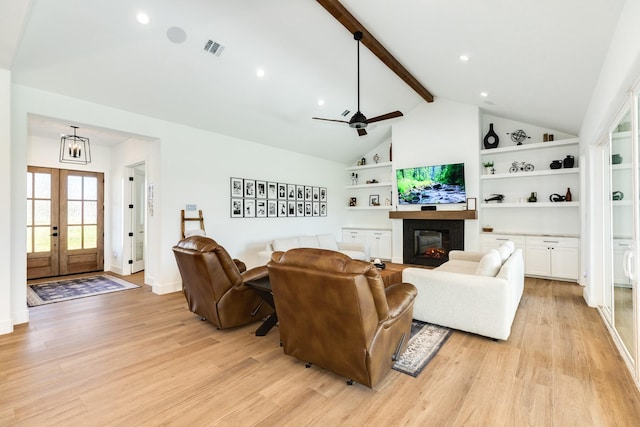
x: 424, y: 342
x: 64, y: 290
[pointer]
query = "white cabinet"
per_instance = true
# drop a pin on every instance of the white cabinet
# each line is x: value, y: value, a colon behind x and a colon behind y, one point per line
x: 554, y: 257
x: 492, y: 241
x: 379, y: 240
x: 373, y: 185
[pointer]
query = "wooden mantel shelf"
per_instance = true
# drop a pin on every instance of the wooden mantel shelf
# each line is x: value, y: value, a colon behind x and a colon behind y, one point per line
x: 433, y: 215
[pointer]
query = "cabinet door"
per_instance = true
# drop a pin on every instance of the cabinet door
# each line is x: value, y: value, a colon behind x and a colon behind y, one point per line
x: 381, y: 241
x: 349, y: 235
x: 564, y: 263
x: 537, y: 261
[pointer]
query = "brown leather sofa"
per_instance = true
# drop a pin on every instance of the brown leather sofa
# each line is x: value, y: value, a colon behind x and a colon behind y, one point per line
x: 213, y: 283
x: 335, y: 312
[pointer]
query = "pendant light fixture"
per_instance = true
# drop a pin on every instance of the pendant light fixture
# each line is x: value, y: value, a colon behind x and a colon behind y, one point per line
x: 75, y: 149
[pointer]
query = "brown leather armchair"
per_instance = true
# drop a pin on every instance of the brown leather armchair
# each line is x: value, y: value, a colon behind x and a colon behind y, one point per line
x: 213, y: 283
x: 335, y: 312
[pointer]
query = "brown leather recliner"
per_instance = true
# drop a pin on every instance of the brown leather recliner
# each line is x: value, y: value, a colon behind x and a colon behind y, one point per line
x: 213, y: 283
x: 335, y: 312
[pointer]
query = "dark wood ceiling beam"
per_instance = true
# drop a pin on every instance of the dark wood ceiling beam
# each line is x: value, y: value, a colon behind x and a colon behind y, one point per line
x: 338, y: 11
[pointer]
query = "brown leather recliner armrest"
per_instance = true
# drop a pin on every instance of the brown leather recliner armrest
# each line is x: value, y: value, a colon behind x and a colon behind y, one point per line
x: 241, y: 265
x: 400, y: 296
x: 255, y: 273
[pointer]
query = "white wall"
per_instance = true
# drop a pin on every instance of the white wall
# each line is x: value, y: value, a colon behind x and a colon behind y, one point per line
x: 185, y: 165
x: 6, y: 317
x: 621, y: 69
x: 438, y: 133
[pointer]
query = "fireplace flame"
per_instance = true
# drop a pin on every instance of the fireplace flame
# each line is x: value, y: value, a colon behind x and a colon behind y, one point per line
x: 435, y: 253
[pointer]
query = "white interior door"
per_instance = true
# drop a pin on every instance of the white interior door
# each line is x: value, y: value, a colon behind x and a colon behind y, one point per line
x: 138, y: 219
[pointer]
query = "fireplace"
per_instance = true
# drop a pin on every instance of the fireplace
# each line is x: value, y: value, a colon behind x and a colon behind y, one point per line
x: 428, y: 242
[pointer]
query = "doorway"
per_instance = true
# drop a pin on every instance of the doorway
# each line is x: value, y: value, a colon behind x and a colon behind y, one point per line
x: 138, y: 217
x: 65, y: 222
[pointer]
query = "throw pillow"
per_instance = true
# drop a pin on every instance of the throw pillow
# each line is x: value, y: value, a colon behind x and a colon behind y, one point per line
x: 504, y: 252
x: 195, y: 232
x: 308, y: 242
x: 285, y: 244
x: 489, y: 264
x: 327, y: 241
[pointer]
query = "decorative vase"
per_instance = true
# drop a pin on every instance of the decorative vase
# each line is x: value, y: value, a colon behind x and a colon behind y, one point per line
x: 568, y: 162
x: 556, y: 164
x: 616, y: 159
x: 567, y: 197
x: 491, y: 139
x: 533, y: 197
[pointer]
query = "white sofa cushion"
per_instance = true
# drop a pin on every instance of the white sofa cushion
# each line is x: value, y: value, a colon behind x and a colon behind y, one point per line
x: 309, y: 242
x: 505, y: 252
x: 489, y: 264
x: 285, y: 244
x: 327, y: 241
x: 459, y: 266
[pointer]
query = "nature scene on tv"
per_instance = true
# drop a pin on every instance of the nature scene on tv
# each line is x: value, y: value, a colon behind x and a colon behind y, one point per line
x: 431, y: 185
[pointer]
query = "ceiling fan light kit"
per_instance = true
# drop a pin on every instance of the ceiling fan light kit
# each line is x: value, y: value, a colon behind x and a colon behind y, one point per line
x: 359, y: 121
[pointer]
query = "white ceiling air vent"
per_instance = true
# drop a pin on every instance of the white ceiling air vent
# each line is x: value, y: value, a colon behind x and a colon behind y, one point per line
x: 345, y: 113
x: 213, y: 47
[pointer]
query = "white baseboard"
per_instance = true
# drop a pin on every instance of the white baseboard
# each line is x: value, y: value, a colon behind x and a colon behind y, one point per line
x: 166, y: 288
x: 6, y: 326
x: 21, y: 316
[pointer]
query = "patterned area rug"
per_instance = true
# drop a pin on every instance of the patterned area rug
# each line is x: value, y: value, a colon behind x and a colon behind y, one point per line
x: 425, y: 341
x: 64, y: 290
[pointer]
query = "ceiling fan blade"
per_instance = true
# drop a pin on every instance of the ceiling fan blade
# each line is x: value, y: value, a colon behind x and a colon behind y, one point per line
x: 361, y: 132
x: 387, y: 116
x: 329, y: 120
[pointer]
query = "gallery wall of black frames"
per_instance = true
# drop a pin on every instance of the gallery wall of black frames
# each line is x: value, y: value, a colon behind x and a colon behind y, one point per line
x: 253, y: 198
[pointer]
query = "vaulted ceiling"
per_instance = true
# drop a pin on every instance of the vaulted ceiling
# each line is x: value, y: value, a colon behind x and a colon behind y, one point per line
x: 536, y: 60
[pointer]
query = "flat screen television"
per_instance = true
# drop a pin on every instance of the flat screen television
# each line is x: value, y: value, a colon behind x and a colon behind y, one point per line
x: 430, y: 185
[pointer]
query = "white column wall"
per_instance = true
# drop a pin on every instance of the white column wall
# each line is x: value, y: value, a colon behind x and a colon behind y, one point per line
x: 6, y: 316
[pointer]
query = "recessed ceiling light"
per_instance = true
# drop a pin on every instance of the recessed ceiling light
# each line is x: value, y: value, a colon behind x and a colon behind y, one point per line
x: 142, y: 18
x: 321, y: 102
x: 260, y: 72
x: 464, y: 58
x: 484, y: 94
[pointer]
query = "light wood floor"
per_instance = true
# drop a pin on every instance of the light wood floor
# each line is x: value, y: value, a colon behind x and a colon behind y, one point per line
x: 136, y: 358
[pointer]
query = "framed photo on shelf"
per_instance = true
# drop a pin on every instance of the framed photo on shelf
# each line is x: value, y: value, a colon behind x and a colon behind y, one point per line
x: 374, y: 200
x: 471, y: 204
x: 250, y: 188
x: 353, y: 202
x: 261, y: 189
x: 236, y: 187
x: 236, y: 208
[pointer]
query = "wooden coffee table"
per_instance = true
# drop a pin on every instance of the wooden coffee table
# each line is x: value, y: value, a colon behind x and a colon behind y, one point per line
x: 392, y: 273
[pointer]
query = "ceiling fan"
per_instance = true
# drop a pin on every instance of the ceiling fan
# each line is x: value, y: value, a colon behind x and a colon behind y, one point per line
x: 359, y: 121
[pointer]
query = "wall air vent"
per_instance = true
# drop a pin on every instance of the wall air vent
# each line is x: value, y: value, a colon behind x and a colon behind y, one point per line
x: 345, y: 113
x: 213, y: 47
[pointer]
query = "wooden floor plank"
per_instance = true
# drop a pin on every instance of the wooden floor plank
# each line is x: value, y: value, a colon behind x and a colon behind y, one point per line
x: 136, y: 358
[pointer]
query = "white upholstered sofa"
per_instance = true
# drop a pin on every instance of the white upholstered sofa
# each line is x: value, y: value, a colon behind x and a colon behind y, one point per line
x: 355, y: 250
x: 474, y: 291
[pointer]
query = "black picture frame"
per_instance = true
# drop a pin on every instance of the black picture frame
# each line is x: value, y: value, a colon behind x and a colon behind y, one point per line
x: 236, y: 187
x: 272, y: 208
x: 237, y: 208
x: 249, y: 208
x: 261, y: 189
x: 249, y: 190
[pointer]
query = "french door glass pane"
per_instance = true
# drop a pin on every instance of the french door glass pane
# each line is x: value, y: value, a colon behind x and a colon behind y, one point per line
x: 90, y: 213
x: 42, y: 239
x: 42, y: 212
x: 90, y: 188
x: 29, y: 240
x: 42, y: 187
x: 74, y: 237
x: 74, y: 187
x: 29, y: 212
x: 74, y: 212
x: 90, y: 236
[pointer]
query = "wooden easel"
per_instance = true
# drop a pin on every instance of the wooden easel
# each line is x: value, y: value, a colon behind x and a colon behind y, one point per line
x: 184, y: 219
